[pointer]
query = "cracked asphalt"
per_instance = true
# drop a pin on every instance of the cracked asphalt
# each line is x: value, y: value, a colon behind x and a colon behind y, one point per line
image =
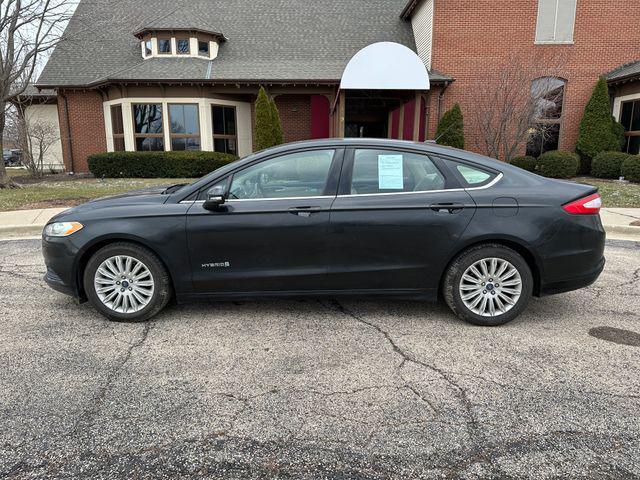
x: 319, y: 389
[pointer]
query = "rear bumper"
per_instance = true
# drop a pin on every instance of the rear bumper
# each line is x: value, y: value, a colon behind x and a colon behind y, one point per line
x: 574, y: 283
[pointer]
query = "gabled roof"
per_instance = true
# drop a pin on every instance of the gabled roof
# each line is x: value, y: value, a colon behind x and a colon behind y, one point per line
x: 627, y: 72
x: 268, y: 40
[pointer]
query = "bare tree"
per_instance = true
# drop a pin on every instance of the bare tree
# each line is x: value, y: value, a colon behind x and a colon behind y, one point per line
x: 29, y: 29
x: 519, y: 96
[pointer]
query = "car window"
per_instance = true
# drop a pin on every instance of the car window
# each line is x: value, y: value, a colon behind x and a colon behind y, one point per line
x: 301, y: 174
x: 474, y: 176
x: 388, y: 171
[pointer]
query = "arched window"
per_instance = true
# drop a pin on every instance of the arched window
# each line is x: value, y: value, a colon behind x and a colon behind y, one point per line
x: 547, y: 95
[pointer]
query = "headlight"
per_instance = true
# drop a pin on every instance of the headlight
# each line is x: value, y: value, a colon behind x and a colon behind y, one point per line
x: 62, y: 229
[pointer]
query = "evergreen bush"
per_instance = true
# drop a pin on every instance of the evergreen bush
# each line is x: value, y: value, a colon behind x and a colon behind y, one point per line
x: 451, y: 128
x: 558, y: 164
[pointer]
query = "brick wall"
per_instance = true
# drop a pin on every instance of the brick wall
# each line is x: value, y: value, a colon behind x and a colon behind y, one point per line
x: 86, y: 122
x: 295, y: 116
x: 472, y: 38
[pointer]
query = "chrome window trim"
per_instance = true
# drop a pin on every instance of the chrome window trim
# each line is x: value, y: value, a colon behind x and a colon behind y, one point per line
x: 229, y: 200
x: 488, y: 185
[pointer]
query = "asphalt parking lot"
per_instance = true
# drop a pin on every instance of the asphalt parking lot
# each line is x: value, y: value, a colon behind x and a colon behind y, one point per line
x: 319, y: 389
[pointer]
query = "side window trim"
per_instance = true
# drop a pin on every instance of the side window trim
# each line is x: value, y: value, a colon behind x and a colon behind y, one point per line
x: 452, y: 181
x: 494, y: 178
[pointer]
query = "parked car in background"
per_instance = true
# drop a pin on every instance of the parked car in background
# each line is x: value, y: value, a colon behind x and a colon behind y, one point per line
x: 11, y: 158
x: 335, y: 217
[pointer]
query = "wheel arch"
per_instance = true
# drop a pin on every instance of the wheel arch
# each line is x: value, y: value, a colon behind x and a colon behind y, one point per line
x: 515, y: 244
x: 89, y: 250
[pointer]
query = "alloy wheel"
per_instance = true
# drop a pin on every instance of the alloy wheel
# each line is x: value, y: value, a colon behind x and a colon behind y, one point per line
x: 490, y: 287
x: 124, y: 284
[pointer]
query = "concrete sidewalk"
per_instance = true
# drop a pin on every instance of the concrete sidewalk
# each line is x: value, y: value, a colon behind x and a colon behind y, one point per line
x: 23, y: 223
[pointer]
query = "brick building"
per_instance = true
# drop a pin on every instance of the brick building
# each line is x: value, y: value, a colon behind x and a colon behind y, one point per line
x: 184, y: 75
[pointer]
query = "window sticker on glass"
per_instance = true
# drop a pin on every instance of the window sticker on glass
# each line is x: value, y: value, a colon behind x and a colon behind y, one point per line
x: 390, y: 172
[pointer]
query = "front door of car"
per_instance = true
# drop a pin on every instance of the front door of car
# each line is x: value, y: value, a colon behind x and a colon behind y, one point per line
x: 271, y: 232
x: 395, y: 220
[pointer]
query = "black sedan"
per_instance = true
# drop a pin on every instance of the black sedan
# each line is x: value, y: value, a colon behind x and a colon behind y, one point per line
x: 335, y: 217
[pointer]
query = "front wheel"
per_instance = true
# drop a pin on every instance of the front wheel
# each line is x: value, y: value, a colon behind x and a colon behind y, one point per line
x: 488, y: 285
x: 127, y: 282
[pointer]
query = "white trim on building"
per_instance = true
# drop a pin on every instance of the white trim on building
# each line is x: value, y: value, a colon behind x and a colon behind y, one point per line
x: 422, y: 24
x: 617, y: 103
x: 243, y: 121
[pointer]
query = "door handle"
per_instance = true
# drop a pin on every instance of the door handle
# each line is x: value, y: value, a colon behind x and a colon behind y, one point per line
x: 304, y: 211
x: 447, y: 207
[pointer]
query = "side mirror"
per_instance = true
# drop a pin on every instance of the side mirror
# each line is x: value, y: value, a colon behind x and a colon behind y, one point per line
x: 215, y: 197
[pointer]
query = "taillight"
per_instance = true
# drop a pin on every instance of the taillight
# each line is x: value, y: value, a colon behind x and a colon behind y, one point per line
x: 584, y: 206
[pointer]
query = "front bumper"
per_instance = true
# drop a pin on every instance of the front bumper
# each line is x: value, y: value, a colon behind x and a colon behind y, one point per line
x: 60, y: 256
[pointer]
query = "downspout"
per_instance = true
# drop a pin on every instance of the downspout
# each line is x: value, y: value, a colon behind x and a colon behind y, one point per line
x: 68, y: 124
x: 441, y: 100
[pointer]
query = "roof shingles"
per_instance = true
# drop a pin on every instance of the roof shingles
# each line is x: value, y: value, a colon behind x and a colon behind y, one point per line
x: 267, y: 39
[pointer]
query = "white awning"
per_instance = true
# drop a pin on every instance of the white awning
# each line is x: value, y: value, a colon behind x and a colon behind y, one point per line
x: 385, y: 66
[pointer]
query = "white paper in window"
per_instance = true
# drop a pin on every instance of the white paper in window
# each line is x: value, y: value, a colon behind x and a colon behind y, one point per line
x: 390, y: 172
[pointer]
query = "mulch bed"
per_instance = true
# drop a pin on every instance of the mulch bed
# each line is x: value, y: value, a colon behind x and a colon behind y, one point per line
x: 67, y: 202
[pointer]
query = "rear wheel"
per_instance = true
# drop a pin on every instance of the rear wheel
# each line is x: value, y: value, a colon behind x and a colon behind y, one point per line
x: 488, y: 285
x: 127, y: 282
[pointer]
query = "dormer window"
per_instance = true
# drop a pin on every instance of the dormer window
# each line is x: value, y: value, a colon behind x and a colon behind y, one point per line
x: 179, y: 42
x: 164, y: 46
x: 203, y: 48
x: 183, y: 46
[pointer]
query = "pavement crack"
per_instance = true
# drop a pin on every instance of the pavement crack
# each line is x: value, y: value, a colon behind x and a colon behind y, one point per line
x: 29, y: 279
x: 407, y: 357
x: 88, y: 416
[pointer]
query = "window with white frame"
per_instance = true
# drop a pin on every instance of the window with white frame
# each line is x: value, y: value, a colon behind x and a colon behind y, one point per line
x: 164, y: 46
x: 556, y: 20
x: 117, y: 128
x: 630, y: 120
x: 147, y: 126
x: 225, y: 137
x: 184, y: 126
x: 183, y: 46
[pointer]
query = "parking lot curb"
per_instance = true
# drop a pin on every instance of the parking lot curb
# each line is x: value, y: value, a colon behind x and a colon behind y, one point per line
x: 20, y: 230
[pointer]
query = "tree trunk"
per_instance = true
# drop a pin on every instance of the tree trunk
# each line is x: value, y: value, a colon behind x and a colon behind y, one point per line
x: 3, y: 121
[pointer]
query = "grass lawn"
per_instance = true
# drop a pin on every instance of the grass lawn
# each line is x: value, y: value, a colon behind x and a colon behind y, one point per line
x: 614, y: 193
x: 64, y: 192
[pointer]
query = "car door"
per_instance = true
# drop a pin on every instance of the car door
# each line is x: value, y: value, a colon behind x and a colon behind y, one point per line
x: 397, y: 216
x: 271, y: 232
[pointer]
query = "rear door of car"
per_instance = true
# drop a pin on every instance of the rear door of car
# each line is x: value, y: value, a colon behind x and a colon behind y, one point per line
x: 397, y: 216
x: 270, y: 235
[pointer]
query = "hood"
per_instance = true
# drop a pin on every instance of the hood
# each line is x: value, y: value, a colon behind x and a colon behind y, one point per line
x: 147, y: 196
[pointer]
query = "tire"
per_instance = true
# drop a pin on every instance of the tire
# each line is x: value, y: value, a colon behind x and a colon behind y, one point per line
x: 154, y: 283
x: 484, y: 315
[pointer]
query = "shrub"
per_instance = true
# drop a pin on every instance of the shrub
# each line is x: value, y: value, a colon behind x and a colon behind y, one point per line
x: 451, y: 128
x: 608, y: 164
x: 631, y: 168
x: 557, y: 164
x: 619, y: 136
x: 526, y: 163
x: 598, y: 133
x: 278, y: 136
x: 268, y: 128
x: 189, y: 164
